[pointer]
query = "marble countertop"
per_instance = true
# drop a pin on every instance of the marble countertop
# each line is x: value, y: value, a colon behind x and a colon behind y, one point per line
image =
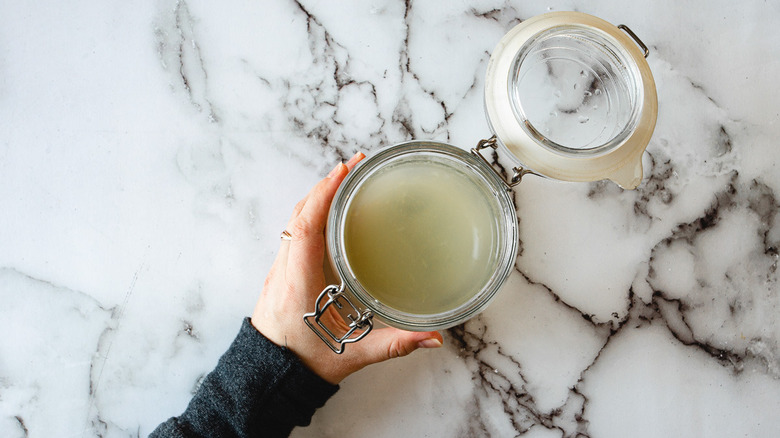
x: 150, y: 154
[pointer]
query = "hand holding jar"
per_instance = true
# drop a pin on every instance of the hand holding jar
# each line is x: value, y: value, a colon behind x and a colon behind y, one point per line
x: 297, y: 278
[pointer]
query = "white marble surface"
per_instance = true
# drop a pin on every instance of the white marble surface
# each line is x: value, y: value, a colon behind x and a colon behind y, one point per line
x: 151, y: 153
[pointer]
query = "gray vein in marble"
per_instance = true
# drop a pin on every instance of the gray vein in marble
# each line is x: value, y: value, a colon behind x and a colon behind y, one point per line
x: 672, y: 312
x: 98, y: 362
x: 701, y: 89
x: 180, y: 54
x: 507, y: 16
x: 611, y: 324
x: 80, y: 294
x: 79, y: 298
x: 188, y: 330
x: 402, y: 114
x: 723, y: 199
x: 497, y: 381
x: 764, y: 203
x: 188, y: 333
x: 497, y: 374
x: 94, y: 421
x: 22, y: 426
x: 754, y: 196
x: 736, y: 196
x: 323, y: 97
x: 311, y: 107
x: 655, y: 185
x: 669, y: 311
x: 313, y: 103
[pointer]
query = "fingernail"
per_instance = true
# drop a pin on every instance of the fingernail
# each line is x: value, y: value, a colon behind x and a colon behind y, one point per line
x: 336, y: 170
x: 429, y: 343
x: 355, y: 158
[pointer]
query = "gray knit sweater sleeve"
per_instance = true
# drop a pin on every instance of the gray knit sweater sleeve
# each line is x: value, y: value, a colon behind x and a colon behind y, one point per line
x: 258, y: 389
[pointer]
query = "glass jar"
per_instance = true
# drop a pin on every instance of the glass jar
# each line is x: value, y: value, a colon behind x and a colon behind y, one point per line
x: 571, y: 97
x: 442, y: 211
x: 423, y: 234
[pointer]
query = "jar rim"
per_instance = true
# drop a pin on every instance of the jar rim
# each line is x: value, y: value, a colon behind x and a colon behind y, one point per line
x: 620, y: 160
x: 507, y: 235
x: 598, y: 44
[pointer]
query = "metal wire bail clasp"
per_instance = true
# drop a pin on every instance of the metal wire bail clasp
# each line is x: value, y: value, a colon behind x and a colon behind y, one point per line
x: 360, y: 322
x: 518, y: 172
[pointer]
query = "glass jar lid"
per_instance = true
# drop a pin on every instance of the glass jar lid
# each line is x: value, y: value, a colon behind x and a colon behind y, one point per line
x: 572, y: 97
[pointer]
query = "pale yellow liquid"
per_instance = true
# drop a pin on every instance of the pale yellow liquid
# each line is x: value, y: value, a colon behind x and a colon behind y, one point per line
x: 420, y: 237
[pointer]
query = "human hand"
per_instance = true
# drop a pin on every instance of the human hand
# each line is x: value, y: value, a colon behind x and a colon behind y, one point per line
x: 297, y: 278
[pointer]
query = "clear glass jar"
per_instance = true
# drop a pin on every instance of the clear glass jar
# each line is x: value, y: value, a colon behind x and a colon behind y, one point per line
x: 443, y: 167
x: 571, y: 97
x: 573, y: 89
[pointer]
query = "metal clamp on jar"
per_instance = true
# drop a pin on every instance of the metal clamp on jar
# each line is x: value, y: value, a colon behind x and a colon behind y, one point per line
x: 423, y: 234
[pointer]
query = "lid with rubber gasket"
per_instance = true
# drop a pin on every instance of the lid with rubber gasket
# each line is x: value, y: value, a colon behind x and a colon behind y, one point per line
x: 571, y: 97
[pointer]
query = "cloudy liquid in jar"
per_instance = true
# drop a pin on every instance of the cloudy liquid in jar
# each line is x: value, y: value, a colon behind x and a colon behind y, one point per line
x: 421, y: 237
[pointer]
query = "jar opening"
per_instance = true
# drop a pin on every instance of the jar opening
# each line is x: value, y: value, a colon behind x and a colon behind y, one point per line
x: 420, y: 234
x: 575, y: 90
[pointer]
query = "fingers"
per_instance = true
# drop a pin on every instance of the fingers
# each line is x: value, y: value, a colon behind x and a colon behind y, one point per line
x: 307, y: 225
x: 280, y: 262
x: 388, y: 343
x: 299, y: 206
x: 296, y: 211
x: 311, y: 213
x: 315, y: 211
x: 354, y: 160
x: 284, y: 246
x: 307, y: 248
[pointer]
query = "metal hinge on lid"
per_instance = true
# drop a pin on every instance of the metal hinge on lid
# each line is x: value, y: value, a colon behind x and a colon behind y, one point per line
x: 517, y: 172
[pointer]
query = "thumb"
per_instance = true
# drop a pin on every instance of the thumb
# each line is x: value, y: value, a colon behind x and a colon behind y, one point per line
x: 387, y: 343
